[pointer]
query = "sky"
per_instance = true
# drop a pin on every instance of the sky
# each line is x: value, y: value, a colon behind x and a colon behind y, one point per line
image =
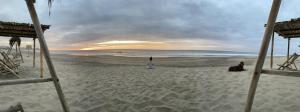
x: 234, y: 25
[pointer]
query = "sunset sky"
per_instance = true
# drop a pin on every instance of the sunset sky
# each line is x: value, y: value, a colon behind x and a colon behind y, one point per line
x: 153, y: 24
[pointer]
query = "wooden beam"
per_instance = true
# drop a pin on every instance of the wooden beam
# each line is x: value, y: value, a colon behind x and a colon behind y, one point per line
x: 281, y: 73
x: 41, y: 64
x: 20, y: 53
x: 272, y: 51
x: 47, y: 57
x: 33, y: 53
x: 24, y: 81
x: 262, y: 53
x: 288, y: 49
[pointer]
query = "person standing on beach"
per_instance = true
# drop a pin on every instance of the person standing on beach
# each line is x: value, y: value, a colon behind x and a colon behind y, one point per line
x: 150, y: 64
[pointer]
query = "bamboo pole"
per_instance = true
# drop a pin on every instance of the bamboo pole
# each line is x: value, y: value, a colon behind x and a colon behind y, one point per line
x: 288, y: 49
x: 33, y: 53
x: 262, y: 53
x: 24, y: 81
x: 272, y: 51
x: 41, y: 64
x: 20, y: 52
x: 16, y: 49
x: 39, y: 31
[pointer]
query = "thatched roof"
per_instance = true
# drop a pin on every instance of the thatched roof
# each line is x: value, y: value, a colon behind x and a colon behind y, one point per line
x: 12, y: 29
x: 288, y: 29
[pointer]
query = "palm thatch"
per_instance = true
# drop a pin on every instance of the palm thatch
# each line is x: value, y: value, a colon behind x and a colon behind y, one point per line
x: 13, y: 29
x: 288, y: 29
x: 50, y: 2
x: 14, y: 40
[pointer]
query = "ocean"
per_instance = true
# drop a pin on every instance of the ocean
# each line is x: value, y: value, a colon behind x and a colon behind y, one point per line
x: 156, y: 53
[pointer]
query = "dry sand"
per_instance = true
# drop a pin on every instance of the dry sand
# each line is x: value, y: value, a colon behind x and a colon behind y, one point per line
x: 121, y: 84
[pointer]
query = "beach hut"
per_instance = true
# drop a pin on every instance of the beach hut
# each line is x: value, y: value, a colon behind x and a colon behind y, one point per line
x: 24, y: 30
x: 286, y: 29
x: 36, y: 30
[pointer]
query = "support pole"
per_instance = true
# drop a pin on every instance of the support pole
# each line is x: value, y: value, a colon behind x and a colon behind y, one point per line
x: 262, y: 53
x: 24, y: 81
x: 20, y: 53
x: 43, y: 44
x: 272, y: 51
x: 288, y: 49
x: 41, y: 64
x: 33, y: 53
x: 17, y: 53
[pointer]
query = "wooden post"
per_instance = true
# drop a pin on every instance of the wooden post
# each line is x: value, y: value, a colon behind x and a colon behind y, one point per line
x: 33, y: 53
x: 288, y: 49
x: 41, y: 64
x: 20, y: 52
x: 16, y: 49
x: 43, y: 44
x: 24, y: 81
x: 272, y: 51
x: 262, y: 53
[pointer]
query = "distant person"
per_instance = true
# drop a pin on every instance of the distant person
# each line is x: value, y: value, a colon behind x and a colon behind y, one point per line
x: 150, y: 64
x: 237, y: 68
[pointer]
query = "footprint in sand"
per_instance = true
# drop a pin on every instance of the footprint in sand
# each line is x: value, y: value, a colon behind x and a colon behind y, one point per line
x: 162, y: 109
x: 169, y: 97
x: 4, y: 100
x: 223, y: 108
x: 148, y: 104
x: 292, y: 108
x: 105, y: 108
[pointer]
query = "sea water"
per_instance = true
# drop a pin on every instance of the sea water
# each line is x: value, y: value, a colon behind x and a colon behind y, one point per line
x: 156, y: 53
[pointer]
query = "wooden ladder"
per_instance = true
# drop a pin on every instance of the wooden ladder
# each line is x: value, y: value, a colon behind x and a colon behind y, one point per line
x: 44, y: 47
x: 262, y: 55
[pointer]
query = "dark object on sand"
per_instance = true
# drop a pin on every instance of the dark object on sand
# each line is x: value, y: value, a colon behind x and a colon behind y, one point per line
x: 237, y: 68
x: 17, y: 108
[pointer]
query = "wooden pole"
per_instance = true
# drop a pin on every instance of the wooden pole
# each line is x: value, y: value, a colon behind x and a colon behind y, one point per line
x: 272, y: 51
x: 27, y: 51
x: 20, y: 52
x: 288, y: 49
x: 33, y: 53
x: 24, y: 81
x: 41, y: 64
x: 16, y: 49
x: 262, y: 53
x: 40, y: 35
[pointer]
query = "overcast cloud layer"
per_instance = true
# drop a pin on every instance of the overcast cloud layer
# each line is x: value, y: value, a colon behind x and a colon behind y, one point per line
x: 235, y: 23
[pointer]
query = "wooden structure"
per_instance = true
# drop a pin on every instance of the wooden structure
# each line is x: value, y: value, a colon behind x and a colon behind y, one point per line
x: 9, y: 65
x: 38, y: 29
x: 286, y: 29
x: 289, y: 64
x: 25, y: 30
x: 12, y: 29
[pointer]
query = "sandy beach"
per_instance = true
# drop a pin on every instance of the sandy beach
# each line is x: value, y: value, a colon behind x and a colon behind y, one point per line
x: 124, y: 84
